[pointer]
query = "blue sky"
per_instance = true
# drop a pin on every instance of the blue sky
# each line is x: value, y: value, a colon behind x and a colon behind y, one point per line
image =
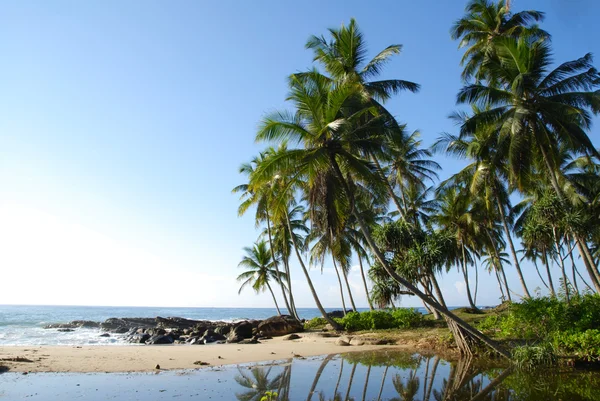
x: 122, y: 125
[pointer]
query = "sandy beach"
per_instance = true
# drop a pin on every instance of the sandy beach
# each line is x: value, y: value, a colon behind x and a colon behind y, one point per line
x: 132, y: 358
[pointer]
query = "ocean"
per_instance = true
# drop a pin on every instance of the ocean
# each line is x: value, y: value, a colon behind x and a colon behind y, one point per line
x: 23, y: 324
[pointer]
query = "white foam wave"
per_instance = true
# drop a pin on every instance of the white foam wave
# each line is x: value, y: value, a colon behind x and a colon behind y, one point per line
x: 20, y: 336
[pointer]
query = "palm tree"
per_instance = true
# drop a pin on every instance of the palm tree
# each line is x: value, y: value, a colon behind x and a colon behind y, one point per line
x: 260, y: 197
x: 458, y: 216
x: 261, y: 270
x: 485, y: 176
x: 284, y: 238
x: 336, y: 128
x: 536, y: 111
x: 484, y: 23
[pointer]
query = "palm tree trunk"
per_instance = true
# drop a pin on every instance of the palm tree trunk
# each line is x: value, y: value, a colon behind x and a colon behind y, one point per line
x: 274, y: 299
x: 591, y: 271
x: 550, y: 283
x: 476, y: 283
x: 337, y: 272
x: 427, y: 290
x: 506, y: 284
x: 437, y: 289
x: 496, y: 268
x: 318, y: 376
x: 503, y: 297
x: 433, y: 373
x: 286, y: 265
x: 287, y: 304
x: 350, y: 381
x: 466, y: 277
x: 364, y: 394
x: 537, y: 269
x: 329, y: 320
x: 575, y: 270
x: 345, y: 274
x: 512, y: 247
x: 382, y: 382
x: 562, y: 264
x: 582, y: 244
x: 337, y: 384
x: 364, y: 280
x: 460, y: 324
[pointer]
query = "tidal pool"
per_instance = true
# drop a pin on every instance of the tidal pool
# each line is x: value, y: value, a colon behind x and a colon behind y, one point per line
x: 381, y: 375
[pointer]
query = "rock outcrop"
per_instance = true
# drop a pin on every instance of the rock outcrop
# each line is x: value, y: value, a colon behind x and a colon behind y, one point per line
x: 279, y: 326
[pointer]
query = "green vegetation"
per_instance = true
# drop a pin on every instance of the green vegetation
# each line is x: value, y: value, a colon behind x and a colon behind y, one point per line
x: 373, y: 320
x: 342, y: 179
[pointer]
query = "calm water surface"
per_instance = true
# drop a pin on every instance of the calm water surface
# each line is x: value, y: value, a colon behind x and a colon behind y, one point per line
x: 381, y: 375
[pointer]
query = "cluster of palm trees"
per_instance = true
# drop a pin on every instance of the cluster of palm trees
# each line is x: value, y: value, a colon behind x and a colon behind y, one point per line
x: 344, y: 179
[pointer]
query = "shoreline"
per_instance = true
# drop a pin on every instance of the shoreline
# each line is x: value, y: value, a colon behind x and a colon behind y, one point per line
x: 144, y: 358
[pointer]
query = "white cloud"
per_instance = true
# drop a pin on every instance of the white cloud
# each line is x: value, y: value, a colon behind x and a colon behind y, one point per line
x: 460, y: 287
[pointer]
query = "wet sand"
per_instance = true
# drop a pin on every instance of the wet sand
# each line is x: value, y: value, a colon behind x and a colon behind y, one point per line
x: 140, y: 358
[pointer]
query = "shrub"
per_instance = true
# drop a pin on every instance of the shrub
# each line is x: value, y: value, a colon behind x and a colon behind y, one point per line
x: 530, y: 357
x: 585, y: 345
x: 407, y: 318
x: 315, y: 323
x: 379, y: 320
x: 353, y: 321
x: 538, y: 318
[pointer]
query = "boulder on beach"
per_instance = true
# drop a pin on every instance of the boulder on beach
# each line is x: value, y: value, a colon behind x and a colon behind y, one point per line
x: 160, y: 339
x: 279, y: 326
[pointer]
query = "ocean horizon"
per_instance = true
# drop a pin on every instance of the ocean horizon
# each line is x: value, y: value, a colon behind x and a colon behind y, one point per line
x: 24, y: 324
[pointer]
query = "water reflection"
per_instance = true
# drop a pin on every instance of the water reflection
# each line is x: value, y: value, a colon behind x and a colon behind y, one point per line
x: 409, y: 377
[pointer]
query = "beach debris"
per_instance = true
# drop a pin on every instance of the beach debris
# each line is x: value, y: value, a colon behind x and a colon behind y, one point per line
x: 157, y: 367
x: 290, y: 337
x: 341, y: 342
x: 297, y: 355
x: 15, y: 359
x: 202, y: 363
x: 272, y: 353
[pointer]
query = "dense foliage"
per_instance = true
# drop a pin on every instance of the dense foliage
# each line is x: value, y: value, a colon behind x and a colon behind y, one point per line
x: 540, y: 318
x: 342, y: 180
x: 401, y: 318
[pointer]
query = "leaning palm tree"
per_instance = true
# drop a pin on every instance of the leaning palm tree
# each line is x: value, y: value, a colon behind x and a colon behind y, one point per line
x: 335, y: 132
x: 260, y: 270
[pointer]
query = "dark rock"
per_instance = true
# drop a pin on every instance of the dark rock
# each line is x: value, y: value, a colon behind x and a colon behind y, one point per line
x: 279, y: 326
x: 138, y: 338
x: 115, y: 323
x: 175, y: 323
x: 234, y: 338
x: 242, y: 329
x: 65, y: 330
x: 160, y: 339
x: 104, y: 335
x: 88, y: 324
x: 338, y: 313
x: 73, y: 325
x: 223, y: 330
